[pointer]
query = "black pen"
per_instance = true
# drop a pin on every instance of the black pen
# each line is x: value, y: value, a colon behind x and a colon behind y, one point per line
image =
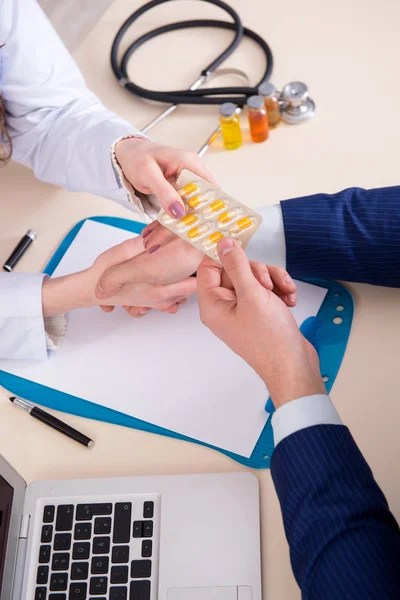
x: 19, y: 250
x: 51, y: 421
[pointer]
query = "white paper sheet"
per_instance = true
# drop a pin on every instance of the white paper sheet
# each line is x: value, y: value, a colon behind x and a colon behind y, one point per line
x: 168, y: 370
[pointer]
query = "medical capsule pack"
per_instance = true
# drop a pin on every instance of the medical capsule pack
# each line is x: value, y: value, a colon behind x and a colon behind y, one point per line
x: 211, y: 215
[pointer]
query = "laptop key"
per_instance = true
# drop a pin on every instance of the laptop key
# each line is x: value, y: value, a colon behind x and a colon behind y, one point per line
x: 42, y: 576
x: 40, y: 593
x: 119, y: 593
x: 102, y: 525
x: 58, y: 597
x: 98, y: 585
x: 79, y: 571
x: 148, y: 529
x: 62, y: 541
x: 119, y: 574
x: 60, y: 561
x: 140, y: 569
x: 44, y: 554
x: 58, y: 582
x: 101, y: 545
x: 147, y: 548
x: 100, y: 565
x: 65, y: 517
x: 122, y: 522
x: 48, y: 514
x: 77, y: 591
x: 47, y: 533
x: 120, y: 554
x: 148, y: 510
x: 84, y: 512
x: 138, y: 529
x: 140, y: 590
x: 83, y: 531
x: 81, y: 550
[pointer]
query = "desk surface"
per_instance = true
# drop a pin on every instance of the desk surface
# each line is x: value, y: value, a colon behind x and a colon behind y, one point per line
x: 346, y: 53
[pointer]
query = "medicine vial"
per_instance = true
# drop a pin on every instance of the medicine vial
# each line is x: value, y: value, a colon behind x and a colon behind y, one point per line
x: 271, y: 101
x: 230, y: 126
x: 258, y: 120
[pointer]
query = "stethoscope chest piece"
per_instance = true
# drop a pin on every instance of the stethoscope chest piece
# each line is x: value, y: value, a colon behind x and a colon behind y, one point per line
x: 295, y: 104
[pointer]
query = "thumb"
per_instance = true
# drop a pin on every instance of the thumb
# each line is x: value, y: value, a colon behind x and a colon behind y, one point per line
x: 115, y: 266
x: 237, y: 266
x: 167, y: 195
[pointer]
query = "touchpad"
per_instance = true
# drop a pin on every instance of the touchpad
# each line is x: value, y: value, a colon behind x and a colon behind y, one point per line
x: 211, y: 593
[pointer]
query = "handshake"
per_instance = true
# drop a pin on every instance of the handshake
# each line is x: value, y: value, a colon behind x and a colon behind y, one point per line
x: 244, y: 303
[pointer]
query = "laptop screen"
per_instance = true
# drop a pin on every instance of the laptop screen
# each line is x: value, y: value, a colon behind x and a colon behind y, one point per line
x: 6, y: 499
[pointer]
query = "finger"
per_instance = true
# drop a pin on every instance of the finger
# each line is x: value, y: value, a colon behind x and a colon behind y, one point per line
x: 121, y: 252
x: 281, y: 279
x: 158, y: 237
x: 149, y: 228
x: 175, y: 291
x: 196, y: 166
x: 107, y: 309
x: 167, y: 195
x: 208, y: 278
x: 237, y: 266
x: 261, y: 273
x: 136, y: 312
x: 113, y: 259
x: 182, y: 301
x: 289, y: 299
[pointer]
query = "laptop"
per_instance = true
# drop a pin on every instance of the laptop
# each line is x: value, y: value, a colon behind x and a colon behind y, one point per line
x: 183, y: 537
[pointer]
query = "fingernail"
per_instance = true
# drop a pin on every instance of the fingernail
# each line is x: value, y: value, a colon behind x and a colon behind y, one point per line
x: 149, y: 228
x: 292, y: 298
x: 143, y: 312
x: 154, y: 249
x: 225, y: 246
x: 288, y: 280
x: 99, y: 292
x: 176, y: 210
x: 266, y: 279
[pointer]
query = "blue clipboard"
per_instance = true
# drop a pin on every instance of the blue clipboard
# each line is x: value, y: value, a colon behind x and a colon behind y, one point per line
x: 336, y: 314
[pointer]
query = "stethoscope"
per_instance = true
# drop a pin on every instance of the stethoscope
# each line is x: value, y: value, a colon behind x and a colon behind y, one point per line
x: 295, y: 104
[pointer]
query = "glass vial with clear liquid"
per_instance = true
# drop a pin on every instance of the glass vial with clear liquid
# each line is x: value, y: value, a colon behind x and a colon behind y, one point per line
x: 230, y: 126
x: 258, y: 120
x: 271, y: 101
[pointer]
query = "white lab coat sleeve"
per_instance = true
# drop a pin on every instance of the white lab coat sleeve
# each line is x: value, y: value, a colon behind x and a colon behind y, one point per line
x: 24, y: 334
x: 59, y: 128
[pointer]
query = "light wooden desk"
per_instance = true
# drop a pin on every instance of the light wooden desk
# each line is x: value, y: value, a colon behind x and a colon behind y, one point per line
x: 346, y: 52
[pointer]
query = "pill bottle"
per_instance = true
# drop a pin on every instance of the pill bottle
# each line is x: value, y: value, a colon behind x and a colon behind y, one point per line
x: 258, y: 120
x: 230, y: 126
x: 271, y: 101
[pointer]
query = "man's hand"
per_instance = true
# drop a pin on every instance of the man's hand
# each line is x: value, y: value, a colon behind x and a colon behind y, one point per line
x: 152, y: 168
x: 257, y: 325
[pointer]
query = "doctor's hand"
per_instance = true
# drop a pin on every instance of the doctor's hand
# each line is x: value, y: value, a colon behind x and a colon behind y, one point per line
x: 256, y: 325
x: 152, y: 168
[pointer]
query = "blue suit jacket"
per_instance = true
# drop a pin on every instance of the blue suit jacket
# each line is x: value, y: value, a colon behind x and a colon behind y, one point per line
x: 353, y: 236
x: 344, y: 542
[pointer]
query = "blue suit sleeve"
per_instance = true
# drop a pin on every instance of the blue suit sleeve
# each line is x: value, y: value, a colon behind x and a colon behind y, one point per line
x: 352, y: 236
x: 344, y: 542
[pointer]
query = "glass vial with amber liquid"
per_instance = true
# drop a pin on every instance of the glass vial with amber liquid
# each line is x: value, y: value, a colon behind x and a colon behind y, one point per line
x: 271, y: 101
x: 230, y: 126
x: 258, y: 120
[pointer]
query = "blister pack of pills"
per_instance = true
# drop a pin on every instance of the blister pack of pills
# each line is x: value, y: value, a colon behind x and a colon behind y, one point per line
x: 211, y: 215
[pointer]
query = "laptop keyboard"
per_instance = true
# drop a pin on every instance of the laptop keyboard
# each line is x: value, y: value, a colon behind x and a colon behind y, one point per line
x: 97, y: 551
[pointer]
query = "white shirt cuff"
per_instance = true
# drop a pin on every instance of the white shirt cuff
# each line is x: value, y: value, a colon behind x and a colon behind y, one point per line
x: 268, y: 243
x: 302, y: 413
